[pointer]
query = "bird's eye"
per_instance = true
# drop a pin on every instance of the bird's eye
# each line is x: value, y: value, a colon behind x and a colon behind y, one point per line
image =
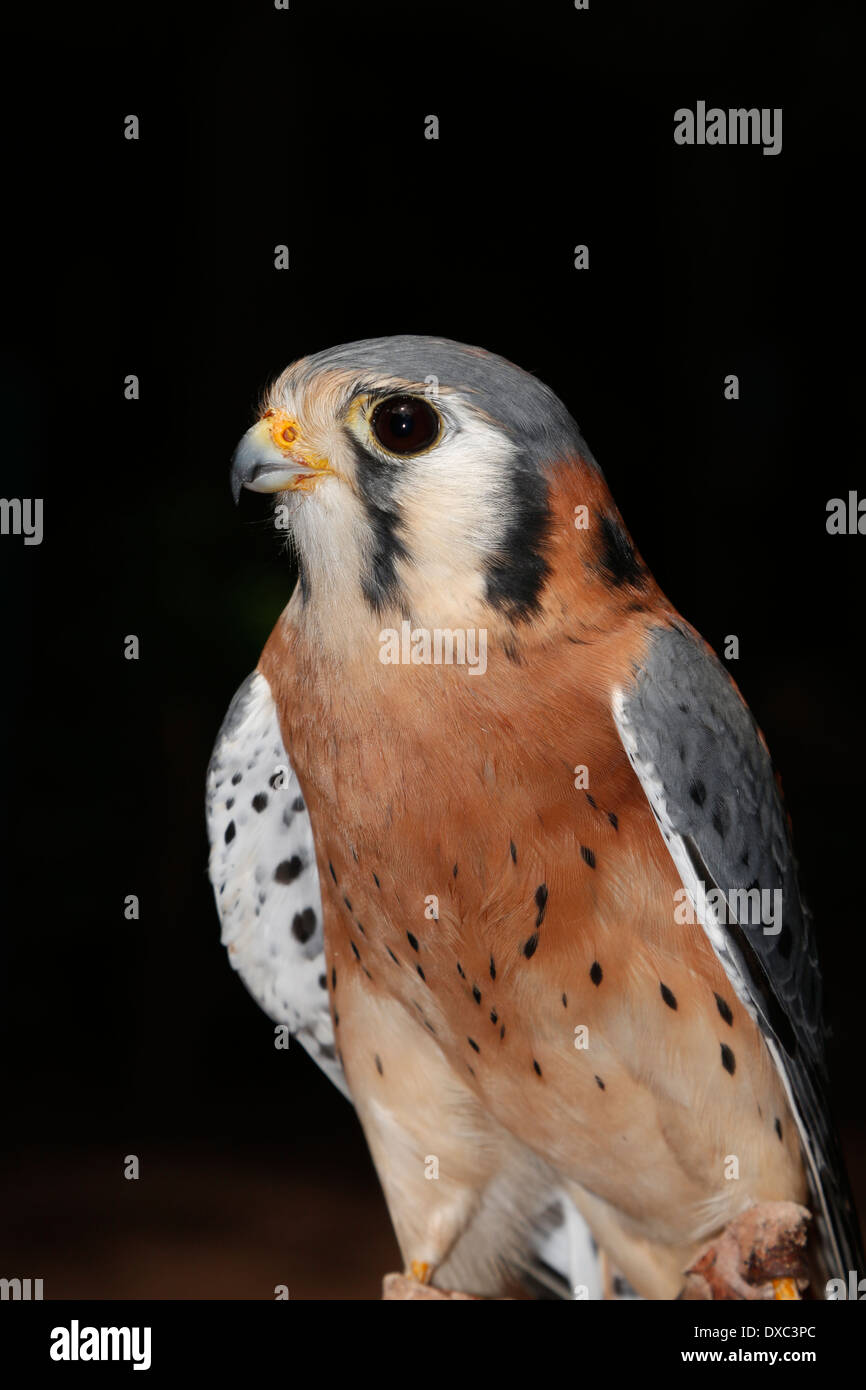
x: 405, y: 424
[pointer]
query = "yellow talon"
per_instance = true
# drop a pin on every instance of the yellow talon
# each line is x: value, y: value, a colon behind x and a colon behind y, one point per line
x: 421, y: 1271
x: 785, y: 1288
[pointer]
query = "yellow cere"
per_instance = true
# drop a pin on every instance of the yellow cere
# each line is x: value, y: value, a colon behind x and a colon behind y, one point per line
x: 285, y: 434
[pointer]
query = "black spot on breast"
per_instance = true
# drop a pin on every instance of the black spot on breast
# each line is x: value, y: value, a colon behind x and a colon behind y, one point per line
x: 379, y: 1064
x: 391, y: 954
x: 413, y: 940
x: 304, y: 924
x: 724, y: 1009
x: 613, y: 820
x: 529, y: 946
x: 348, y: 904
x: 333, y: 977
x: 492, y: 968
x: 260, y: 801
x: 616, y: 554
x: 595, y: 973
x: 288, y: 870
x: 494, y: 1016
x: 421, y: 973
x: 668, y: 996
x: 230, y: 803
x: 599, y: 1083
x: 355, y: 949
x: 376, y: 881
x: 331, y: 867
x: 514, y: 851
x: 541, y: 902
x: 502, y: 1032
x: 587, y: 856
x: 698, y: 792
x: 298, y: 804
x: 230, y: 832
x: 454, y: 871
x: 778, y: 1128
x: 565, y: 1001
x: 237, y: 778
x: 476, y: 994
x: 473, y: 1044
x: 537, y: 1067
x: 460, y: 971
x: 729, y: 1061
x: 323, y: 982
x: 590, y: 799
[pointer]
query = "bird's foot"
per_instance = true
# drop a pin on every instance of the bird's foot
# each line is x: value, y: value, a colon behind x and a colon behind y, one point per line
x: 759, y: 1255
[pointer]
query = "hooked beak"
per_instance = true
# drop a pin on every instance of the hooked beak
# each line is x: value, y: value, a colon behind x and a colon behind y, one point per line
x: 270, y: 458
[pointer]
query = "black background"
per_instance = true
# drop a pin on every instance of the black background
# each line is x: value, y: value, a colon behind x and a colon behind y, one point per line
x: 155, y: 257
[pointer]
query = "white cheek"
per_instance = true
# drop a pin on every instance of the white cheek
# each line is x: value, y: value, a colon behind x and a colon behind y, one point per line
x: 456, y: 499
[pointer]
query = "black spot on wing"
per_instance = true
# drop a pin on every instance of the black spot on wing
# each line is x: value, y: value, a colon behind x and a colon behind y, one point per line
x: 288, y: 870
x: 304, y: 924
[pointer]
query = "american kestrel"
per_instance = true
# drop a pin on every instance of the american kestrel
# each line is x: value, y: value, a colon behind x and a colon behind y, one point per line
x: 495, y: 834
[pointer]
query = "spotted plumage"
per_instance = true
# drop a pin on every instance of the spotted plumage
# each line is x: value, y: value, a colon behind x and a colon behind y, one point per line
x: 434, y: 818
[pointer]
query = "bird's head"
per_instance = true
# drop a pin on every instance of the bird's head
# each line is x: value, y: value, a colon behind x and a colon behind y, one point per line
x: 414, y: 476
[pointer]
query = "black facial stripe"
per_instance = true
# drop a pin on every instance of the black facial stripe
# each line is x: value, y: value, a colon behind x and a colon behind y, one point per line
x: 377, y: 482
x: 516, y: 574
x: 616, y: 554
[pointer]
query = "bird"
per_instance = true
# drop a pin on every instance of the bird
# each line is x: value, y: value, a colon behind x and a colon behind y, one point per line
x: 495, y: 834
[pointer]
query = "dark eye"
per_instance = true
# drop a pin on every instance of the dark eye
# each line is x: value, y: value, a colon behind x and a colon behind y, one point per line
x: 405, y: 424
